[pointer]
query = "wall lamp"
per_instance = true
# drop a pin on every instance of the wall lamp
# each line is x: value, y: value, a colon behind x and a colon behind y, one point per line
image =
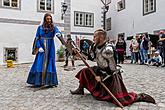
x: 64, y: 8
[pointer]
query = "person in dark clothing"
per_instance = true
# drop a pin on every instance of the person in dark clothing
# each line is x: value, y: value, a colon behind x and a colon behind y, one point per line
x: 120, y: 49
x: 104, y: 56
x: 85, y: 47
x: 144, y: 49
x: 69, y: 43
x: 161, y: 47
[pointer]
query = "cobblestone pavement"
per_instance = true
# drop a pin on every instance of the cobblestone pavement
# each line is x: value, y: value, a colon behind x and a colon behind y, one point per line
x: 15, y: 94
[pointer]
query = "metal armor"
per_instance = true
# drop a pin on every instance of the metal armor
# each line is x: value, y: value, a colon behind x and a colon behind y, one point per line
x: 105, y: 57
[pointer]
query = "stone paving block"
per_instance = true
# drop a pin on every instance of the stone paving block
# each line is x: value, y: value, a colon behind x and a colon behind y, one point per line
x: 161, y: 104
x: 133, y: 107
x: 162, y: 109
x: 15, y: 93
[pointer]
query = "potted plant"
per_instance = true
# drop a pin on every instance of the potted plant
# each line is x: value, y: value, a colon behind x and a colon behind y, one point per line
x: 60, y: 53
x: 9, y: 61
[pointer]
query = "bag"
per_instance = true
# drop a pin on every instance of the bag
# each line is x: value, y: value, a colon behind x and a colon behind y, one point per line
x: 35, y: 49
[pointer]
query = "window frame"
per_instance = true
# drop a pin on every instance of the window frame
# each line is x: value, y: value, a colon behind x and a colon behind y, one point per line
x: 10, y: 3
x: 108, y: 28
x: 83, y: 19
x: 6, y: 49
x: 39, y: 8
x: 78, y: 24
x: 120, y: 2
x: 92, y: 19
x: 149, y: 11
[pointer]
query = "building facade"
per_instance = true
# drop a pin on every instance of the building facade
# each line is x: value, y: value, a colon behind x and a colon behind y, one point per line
x: 19, y: 20
x: 85, y: 18
x: 132, y: 17
x: 136, y: 16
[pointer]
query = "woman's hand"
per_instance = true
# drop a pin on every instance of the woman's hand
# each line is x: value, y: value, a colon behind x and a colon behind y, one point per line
x: 41, y: 49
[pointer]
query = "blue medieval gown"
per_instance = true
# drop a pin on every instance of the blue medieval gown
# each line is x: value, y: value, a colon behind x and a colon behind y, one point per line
x: 43, y: 70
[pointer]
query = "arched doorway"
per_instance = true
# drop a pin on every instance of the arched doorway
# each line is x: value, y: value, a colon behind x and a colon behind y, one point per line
x: 85, y: 50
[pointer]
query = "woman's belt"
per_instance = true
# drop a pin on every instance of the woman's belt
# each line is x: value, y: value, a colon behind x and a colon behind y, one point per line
x: 46, y: 38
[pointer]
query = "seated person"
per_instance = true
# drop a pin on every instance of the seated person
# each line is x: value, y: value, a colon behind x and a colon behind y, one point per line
x: 103, y: 54
x: 156, y: 60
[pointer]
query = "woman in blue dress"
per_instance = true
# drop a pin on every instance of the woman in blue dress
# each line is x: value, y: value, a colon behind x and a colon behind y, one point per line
x: 43, y: 70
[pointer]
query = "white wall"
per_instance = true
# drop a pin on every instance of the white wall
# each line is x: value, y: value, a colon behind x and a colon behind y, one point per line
x: 131, y: 19
x: 92, y: 6
x: 18, y: 36
x: 29, y: 11
x: 21, y: 36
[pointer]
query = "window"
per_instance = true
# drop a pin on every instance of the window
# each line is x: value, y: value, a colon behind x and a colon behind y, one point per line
x: 10, y: 54
x: 88, y: 19
x: 149, y: 6
x: 108, y: 24
x: 120, y: 5
x: 83, y: 19
x: 11, y: 4
x: 45, y: 5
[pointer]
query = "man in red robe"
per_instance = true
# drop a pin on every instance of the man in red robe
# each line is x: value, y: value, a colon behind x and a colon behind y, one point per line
x: 103, y: 54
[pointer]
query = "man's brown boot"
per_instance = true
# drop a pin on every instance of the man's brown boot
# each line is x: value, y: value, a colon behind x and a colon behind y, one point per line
x: 78, y: 91
x: 142, y: 97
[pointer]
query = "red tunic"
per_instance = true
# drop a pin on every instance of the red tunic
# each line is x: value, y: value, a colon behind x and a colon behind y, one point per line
x: 114, y: 83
